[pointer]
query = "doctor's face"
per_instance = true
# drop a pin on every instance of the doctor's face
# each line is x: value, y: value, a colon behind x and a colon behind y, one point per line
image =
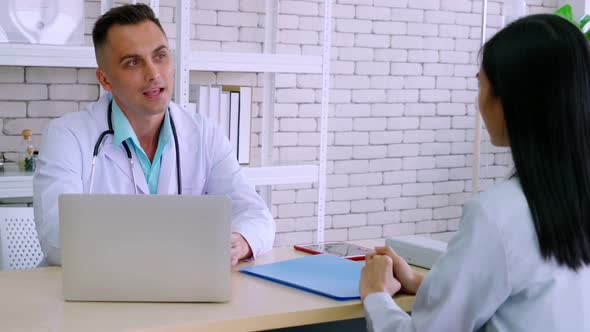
x: 137, y: 67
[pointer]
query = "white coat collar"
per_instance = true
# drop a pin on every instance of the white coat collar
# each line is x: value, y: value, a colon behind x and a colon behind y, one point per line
x: 167, y: 183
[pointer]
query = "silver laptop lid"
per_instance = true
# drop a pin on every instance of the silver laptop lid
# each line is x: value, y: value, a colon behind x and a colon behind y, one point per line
x: 145, y: 248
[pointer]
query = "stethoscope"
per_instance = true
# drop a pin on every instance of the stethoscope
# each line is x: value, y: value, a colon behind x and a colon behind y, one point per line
x: 110, y: 131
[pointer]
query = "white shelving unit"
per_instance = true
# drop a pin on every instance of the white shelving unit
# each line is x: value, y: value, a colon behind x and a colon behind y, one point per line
x: 83, y: 57
x: 289, y: 174
x: 269, y: 63
x: 47, y: 56
x: 15, y: 184
x: 255, y: 62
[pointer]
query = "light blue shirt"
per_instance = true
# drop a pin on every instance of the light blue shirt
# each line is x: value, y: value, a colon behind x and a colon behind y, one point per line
x: 124, y: 132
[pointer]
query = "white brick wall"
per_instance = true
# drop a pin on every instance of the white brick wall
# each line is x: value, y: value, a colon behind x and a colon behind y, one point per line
x: 50, y: 75
x: 38, y: 109
x: 12, y: 74
x: 23, y: 92
x: 231, y: 5
x: 401, y: 118
x: 399, y: 229
x: 73, y: 92
x: 13, y: 109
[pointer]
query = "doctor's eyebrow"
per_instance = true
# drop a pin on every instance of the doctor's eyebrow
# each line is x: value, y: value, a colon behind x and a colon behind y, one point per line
x: 161, y: 47
x: 127, y: 56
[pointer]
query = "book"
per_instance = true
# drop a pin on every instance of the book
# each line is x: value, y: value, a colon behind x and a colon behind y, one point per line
x: 230, y: 107
x: 327, y: 275
x: 203, y: 100
x: 244, y: 125
x: 224, y: 113
x: 214, y: 99
x: 234, y: 113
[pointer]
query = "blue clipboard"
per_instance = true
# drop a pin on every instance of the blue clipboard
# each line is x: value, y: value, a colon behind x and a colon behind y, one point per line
x: 327, y: 275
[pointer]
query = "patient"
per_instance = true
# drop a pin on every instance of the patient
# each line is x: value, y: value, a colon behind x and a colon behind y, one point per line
x: 521, y: 258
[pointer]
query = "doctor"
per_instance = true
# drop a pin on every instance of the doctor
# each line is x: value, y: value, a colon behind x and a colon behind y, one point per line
x: 143, y: 142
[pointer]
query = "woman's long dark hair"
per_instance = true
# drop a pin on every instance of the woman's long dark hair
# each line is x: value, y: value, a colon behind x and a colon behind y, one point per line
x: 539, y: 67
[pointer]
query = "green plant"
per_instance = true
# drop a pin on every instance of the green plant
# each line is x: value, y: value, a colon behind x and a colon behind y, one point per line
x: 566, y: 12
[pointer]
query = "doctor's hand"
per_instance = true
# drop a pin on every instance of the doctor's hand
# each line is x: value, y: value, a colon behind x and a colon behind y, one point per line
x: 402, y: 271
x: 240, y: 249
x: 377, y: 277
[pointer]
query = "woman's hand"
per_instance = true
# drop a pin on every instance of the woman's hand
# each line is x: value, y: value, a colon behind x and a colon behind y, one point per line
x: 377, y: 277
x: 410, y: 280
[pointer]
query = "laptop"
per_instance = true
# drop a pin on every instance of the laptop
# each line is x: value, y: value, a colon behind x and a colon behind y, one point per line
x: 145, y: 248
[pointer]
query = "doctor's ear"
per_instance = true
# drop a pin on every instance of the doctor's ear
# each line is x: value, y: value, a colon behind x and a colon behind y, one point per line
x: 102, y: 78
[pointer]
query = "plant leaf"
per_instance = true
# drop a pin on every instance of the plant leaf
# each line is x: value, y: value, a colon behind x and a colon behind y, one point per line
x: 566, y: 12
x: 583, y: 21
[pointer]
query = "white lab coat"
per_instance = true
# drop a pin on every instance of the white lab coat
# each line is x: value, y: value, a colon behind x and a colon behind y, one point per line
x: 208, y: 166
x: 492, y: 278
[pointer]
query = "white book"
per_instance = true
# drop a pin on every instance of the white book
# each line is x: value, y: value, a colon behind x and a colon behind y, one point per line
x: 224, y: 113
x: 193, y: 93
x: 204, y: 100
x: 244, y: 125
x: 234, y: 113
x: 214, y: 99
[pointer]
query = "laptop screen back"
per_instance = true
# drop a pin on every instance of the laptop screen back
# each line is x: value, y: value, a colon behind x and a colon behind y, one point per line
x: 145, y: 247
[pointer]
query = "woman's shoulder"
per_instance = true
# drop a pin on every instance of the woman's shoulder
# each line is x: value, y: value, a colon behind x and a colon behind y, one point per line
x: 502, y: 195
x: 505, y: 206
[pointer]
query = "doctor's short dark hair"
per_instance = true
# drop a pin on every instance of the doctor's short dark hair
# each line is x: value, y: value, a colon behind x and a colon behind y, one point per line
x: 539, y: 68
x: 122, y: 15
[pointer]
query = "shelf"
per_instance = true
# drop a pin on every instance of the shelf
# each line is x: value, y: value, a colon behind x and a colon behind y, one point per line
x: 255, y: 62
x: 83, y: 57
x: 260, y: 176
x: 15, y: 184
x: 47, y: 56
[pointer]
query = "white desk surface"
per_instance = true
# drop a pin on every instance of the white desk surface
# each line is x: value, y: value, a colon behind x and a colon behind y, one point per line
x: 31, y: 300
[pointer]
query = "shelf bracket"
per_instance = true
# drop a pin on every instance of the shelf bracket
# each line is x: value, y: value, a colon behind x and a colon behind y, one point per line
x: 326, y: 56
x: 181, y: 90
x: 268, y: 94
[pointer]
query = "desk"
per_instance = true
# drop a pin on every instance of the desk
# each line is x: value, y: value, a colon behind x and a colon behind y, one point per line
x: 31, y: 300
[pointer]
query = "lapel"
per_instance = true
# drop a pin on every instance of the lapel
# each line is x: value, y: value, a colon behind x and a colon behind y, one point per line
x: 119, y: 158
x: 184, y: 129
x: 167, y: 182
